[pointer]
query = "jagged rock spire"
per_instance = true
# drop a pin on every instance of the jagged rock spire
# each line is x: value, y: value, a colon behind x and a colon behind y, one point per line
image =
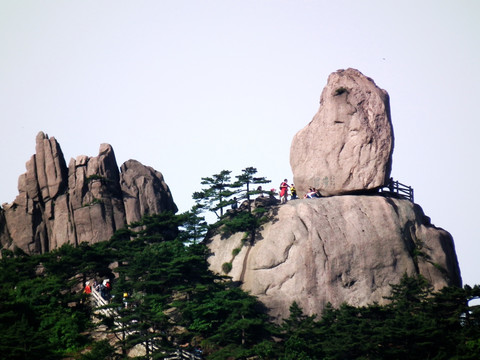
x: 82, y: 203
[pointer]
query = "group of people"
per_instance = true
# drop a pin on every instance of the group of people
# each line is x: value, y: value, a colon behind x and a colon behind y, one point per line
x: 284, y: 188
x: 312, y: 193
x: 103, y: 288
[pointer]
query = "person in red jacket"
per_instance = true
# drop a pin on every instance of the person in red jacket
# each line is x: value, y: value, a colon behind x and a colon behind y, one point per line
x: 88, y: 289
x: 284, y: 191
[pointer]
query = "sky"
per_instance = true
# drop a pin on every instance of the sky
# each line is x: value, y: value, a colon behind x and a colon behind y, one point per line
x: 192, y: 88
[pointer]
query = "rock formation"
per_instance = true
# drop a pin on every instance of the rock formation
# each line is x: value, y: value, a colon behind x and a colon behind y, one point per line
x: 86, y: 202
x: 337, y: 249
x: 348, y: 145
x: 95, y: 196
x: 144, y: 191
x: 350, y: 246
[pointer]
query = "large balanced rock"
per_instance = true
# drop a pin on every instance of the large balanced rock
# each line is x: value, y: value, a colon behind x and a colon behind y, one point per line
x: 82, y: 203
x: 347, y: 147
x: 337, y: 249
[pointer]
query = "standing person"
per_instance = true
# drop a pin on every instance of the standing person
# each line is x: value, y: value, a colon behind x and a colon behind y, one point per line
x: 293, y: 192
x: 284, y: 191
x: 260, y: 191
x: 88, y: 289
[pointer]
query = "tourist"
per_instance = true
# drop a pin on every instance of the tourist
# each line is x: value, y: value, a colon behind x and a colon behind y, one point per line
x: 312, y: 193
x: 293, y: 192
x: 284, y: 191
x: 88, y: 289
x: 260, y: 191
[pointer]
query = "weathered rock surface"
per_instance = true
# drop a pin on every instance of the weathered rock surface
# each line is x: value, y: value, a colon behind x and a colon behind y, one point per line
x: 95, y: 196
x: 29, y: 218
x: 82, y: 203
x: 144, y: 191
x: 337, y: 249
x: 348, y: 145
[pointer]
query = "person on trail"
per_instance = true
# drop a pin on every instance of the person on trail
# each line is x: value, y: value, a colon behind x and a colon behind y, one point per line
x: 293, y: 192
x: 105, y: 289
x: 88, y: 289
x: 234, y: 204
x: 284, y: 191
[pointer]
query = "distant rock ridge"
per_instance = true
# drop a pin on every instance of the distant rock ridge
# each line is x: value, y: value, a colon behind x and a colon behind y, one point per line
x: 86, y: 202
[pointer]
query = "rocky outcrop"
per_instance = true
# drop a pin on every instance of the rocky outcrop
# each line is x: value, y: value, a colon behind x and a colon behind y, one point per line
x: 95, y: 196
x: 29, y: 218
x: 86, y: 202
x: 347, y: 147
x: 337, y: 249
x: 144, y: 191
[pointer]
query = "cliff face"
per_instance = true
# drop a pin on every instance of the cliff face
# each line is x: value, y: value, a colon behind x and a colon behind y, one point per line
x: 337, y: 249
x: 86, y: 202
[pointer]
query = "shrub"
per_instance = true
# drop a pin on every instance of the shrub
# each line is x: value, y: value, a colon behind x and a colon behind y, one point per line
x: 227, y: 267
x: 236, y: 251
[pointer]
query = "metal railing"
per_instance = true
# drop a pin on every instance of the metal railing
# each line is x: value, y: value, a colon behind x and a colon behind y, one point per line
x: 399, y: 190
x: 181, y: 354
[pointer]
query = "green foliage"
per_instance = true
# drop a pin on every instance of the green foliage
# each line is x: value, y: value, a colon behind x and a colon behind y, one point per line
x: 300, y: 335
x: 169, y: 284
x: 215, y: 196
x: 100, y: 178
x: 226, y: 267
x: 411, y: 292
x: 93, y: 202
x: 194, y: 227
x: 240, y: 222
x: 158, y: 227
x: 95, y: 177
x: 220, y: 190
x: 100, y: 350
x: 245, y: 180
x: 40, y: 314
x: 226, y: 316
x: 220, y: 193
x: 416, y: 324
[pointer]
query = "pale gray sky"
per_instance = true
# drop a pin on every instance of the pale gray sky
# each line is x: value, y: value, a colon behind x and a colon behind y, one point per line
x: 194, y: 87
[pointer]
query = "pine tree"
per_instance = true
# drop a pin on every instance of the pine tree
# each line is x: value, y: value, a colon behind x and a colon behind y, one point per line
x: 246, y: 221
x: 244, y: 183
x: 194, y: 227
x: 300, y: 334
x: 216, y: 196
